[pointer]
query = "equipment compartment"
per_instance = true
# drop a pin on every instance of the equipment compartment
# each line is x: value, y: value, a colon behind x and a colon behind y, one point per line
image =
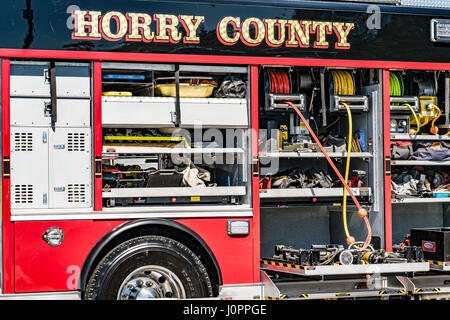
x: 302, y: 197
x: 419, y: 150
x: 175, y: 149
x: 146, y: 164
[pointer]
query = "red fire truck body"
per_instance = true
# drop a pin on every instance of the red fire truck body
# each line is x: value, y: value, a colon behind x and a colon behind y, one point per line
x: 68, y: 249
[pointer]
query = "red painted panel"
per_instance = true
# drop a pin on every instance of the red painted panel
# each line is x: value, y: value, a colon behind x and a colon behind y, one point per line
x: 173, y: 58
x: 40, y: 267
x: 8, y: 227
x: 234, y: 254
x: 387, y: 155
x: 255, y: 178
x: 97, y: 79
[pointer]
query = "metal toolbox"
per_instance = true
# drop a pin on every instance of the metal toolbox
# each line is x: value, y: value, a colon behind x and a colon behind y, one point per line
x: 434, y: 241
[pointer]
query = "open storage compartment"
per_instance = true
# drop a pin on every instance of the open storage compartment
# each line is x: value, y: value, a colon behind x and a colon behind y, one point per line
x: 302, y: 202
x: 178, y: 137
x: 290, y: 158
x: 419, y: 150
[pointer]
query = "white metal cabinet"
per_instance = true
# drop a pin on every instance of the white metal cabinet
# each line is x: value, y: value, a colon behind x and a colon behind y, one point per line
x: 138, y: 112
x: 69, y: 168
x: 214, y: 112
x: 31, y: 112
x: 32, y: 79
x: 29, y: 168
x: 27, y: 112
x: 142, y: 112
x: 73, y: 80
x: 51, y: 163
x: 74, y: 113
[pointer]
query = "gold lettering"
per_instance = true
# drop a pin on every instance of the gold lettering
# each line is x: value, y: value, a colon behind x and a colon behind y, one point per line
x: 140, y: 27
x: 81, y: 24
x: 188, y: 22
x: 298, y: 31
x: 342, y: 30
x: 122, y: 25
x: 324, y: 28
x: 271, y: 31
x: 167, y: 28
x: 222, y: 30
x: 260, y: 31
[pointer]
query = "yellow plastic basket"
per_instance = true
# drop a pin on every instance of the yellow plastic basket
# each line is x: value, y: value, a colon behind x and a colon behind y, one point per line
x: 186, y: 90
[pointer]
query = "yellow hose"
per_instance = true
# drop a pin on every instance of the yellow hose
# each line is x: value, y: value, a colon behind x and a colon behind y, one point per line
x: 415, y: 117
x: 330, y: 125
x: 343, y: 85
x: 312, y: 100
x: 438, y: 115
x: 343, y: 82
x: 347, y: 168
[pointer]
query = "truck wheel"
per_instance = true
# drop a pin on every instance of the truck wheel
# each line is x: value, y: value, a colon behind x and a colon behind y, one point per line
x: 149, y: 267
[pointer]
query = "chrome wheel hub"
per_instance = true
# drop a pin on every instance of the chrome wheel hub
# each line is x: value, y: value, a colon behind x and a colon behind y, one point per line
x: 151, y: 282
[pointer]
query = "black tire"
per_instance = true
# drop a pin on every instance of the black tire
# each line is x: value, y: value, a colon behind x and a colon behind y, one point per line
x: 113, y: 269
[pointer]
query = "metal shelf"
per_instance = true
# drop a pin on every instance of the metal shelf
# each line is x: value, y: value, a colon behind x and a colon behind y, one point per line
x: 329, y: 270
x: 292, y: 154
x: 329, y: 289
x: 172, y: 100
x: 420, y: 200
x: 419, y: 163
x: 173, y: 192
x: 148, y: 149
x: 145, y: 84
x: 418, y: 137
x: 310, y: 192
x: 439, y: 265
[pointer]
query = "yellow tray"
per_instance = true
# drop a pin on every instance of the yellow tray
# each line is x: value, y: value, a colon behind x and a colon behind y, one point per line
x: 186, y: 90
x: 117, y: 93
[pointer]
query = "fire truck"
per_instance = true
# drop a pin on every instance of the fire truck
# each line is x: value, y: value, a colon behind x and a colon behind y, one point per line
x: 225, y: 150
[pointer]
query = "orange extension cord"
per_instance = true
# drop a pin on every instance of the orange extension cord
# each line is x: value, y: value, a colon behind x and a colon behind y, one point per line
x: 361, y: 211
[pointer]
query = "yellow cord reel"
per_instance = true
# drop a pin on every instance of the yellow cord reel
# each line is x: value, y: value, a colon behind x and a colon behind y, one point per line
x: 344, y: 84
x: 429, y: 112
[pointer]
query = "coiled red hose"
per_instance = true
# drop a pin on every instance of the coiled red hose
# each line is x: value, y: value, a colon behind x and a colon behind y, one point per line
x: 279, y: 82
